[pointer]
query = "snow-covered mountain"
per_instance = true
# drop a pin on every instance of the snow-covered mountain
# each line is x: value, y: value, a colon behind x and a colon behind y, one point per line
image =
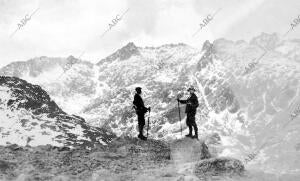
x: 103, y: 93
x: 265, y: 95
x: 29, y: 117
x: 247, y: 92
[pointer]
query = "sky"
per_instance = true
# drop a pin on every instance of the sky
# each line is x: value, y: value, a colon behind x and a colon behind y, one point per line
x: 60, y: 28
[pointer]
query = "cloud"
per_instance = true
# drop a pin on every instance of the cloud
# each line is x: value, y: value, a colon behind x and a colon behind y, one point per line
x: 65, y: 27
x: 238, y: 13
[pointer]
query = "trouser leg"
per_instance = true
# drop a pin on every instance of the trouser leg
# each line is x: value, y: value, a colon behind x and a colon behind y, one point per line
x: 192, y: 122
x: 189, y: 126
x: 141, y: 128
x: 190, y: 130
x: 195, y: 129
x: 141, y: 123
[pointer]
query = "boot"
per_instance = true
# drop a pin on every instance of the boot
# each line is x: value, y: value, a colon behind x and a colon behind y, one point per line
x: 143, y: 138
x: 189, y: 135
x: 196, y: 133
x: 195, y: 137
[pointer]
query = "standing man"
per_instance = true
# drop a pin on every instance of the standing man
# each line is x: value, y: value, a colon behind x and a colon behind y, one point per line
x: 190, y: 110
x: 141, y: 110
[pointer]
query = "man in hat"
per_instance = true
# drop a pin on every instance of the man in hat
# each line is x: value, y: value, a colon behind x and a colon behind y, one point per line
x: 141, y: 110
x: 190, y: 110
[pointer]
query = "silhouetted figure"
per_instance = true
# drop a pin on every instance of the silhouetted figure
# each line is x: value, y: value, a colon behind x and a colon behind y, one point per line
x: 190, y: 110
x: 140, y: 111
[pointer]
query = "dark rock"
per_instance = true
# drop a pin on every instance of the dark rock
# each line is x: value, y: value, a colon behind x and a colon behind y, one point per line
x: 64, y: 148
x: 48, y: 147
x: 4, y: 166
x: 218, y: 166
x: 14, y: 147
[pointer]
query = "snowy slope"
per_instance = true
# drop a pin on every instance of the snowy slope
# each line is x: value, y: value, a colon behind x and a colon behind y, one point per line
x: 29, y: 117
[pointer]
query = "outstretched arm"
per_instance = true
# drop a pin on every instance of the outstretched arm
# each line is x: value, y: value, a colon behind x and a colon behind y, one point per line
x: 182, y: 101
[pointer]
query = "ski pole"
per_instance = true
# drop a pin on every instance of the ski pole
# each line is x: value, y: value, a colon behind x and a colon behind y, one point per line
x: 179, y: 118
x: 148, y: 122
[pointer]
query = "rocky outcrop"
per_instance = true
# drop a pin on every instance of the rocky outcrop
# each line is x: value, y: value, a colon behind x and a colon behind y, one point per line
x: 193, y: 156
x: 150, y: 149
x: 29, y: 97
x: 120, y: 160
x: 123, y: 159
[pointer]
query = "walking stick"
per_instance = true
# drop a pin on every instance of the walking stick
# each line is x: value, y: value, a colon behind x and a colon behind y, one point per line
x: 179, y: 118
x: 148, y: 122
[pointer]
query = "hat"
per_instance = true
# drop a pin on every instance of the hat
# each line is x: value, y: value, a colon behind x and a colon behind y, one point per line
x: 191, y: 88
x: 138, y: 88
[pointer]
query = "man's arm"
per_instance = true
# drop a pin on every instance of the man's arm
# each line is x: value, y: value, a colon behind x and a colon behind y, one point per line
x: 135, y: 101
x: 182, y: 101
x: 194, y: 101
x: 138, y: 103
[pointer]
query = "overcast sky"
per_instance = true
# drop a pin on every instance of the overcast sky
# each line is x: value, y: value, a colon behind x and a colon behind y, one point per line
x: 60, y: 28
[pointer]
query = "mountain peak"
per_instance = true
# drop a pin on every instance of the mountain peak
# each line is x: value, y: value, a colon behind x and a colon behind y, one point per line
x: 130, y: 46
x: 71, y: 57
x: 206, y: 45
x: 72, y: 60
x: 122, y: 54
x: 265, y: 40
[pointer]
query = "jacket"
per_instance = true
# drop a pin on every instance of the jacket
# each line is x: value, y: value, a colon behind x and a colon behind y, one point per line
x: 139, y: 104
x: 191, y: 104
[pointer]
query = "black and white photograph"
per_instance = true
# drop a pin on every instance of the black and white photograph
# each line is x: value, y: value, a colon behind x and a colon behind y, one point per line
x: 149, y: 90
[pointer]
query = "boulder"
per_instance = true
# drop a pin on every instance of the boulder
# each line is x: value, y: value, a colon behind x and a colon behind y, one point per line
x: 218, y: 166
x: 189, y: 150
